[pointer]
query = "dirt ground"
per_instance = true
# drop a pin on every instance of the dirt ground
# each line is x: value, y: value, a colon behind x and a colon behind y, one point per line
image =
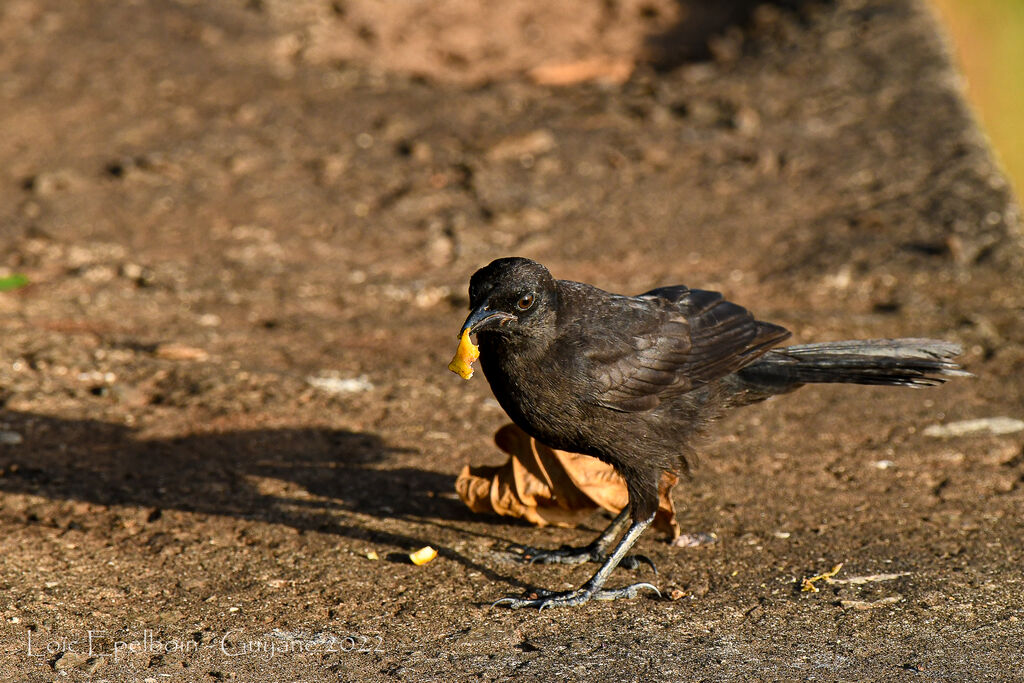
x: 249, y: 226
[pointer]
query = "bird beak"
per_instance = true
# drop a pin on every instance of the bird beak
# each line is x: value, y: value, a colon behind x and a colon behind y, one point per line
x: 483, y: 318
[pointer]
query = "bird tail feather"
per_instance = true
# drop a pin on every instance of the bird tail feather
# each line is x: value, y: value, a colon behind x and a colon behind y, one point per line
x: 894, y: 362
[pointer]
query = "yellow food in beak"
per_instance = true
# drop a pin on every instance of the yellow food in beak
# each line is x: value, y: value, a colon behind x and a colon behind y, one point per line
x: 465, y: 356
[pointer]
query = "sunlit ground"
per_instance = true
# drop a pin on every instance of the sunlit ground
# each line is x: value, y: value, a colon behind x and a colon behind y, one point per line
x: 988, y: 37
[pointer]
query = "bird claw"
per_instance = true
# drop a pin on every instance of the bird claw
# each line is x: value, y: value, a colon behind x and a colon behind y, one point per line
x: 570, y: 555
x: 548, y: 599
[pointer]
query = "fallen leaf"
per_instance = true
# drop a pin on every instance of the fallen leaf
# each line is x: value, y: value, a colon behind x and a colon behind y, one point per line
x: 871, y: 578
x: 807, y: 585
x: 546, y: 486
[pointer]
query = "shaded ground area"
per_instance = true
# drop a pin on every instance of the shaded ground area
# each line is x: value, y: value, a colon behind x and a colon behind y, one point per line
x: 212, y: 212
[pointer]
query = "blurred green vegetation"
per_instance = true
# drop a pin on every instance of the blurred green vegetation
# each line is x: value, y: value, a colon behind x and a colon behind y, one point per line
x: 988, y: 38
x: 12, y: 282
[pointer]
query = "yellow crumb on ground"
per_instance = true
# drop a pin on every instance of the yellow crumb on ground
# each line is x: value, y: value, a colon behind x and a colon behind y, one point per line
x: 423, y: 555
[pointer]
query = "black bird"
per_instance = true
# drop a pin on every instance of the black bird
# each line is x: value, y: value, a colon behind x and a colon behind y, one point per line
x: 633, y: 380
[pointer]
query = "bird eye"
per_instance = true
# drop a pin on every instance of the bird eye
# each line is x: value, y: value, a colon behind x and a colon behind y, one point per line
x: 525, y: 302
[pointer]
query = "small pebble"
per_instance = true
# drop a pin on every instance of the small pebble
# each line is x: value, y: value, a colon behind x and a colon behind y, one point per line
x: 995, y: 426
x: 10, y: 438
x: 341, y: 385
x: 695, y: 540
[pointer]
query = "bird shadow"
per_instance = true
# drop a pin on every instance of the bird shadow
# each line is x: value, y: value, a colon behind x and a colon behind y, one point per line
x: 306, y: 478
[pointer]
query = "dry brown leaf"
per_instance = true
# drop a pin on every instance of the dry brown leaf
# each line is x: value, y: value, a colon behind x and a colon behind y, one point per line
x: 807, y: 584
x: 547, y: 486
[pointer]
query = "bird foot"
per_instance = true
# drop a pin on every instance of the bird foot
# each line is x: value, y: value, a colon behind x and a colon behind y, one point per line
x: 570, y: 555
x: 547, y: 599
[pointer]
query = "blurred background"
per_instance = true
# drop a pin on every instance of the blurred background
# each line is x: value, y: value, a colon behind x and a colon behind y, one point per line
x: 988, y: 39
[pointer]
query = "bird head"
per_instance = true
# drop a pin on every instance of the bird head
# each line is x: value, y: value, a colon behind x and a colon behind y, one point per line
x: 512, y: 296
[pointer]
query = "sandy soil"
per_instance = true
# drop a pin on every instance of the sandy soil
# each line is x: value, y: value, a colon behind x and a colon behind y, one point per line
x: 219, y: 204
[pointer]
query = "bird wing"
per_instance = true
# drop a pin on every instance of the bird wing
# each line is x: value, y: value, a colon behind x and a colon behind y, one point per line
x: 680, y: 339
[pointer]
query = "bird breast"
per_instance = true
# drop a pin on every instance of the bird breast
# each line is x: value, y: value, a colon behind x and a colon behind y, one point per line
x: 536, y: 389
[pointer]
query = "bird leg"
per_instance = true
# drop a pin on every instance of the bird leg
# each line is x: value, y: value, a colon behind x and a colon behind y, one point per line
x: 596, y: 551
x: 592, y: 589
